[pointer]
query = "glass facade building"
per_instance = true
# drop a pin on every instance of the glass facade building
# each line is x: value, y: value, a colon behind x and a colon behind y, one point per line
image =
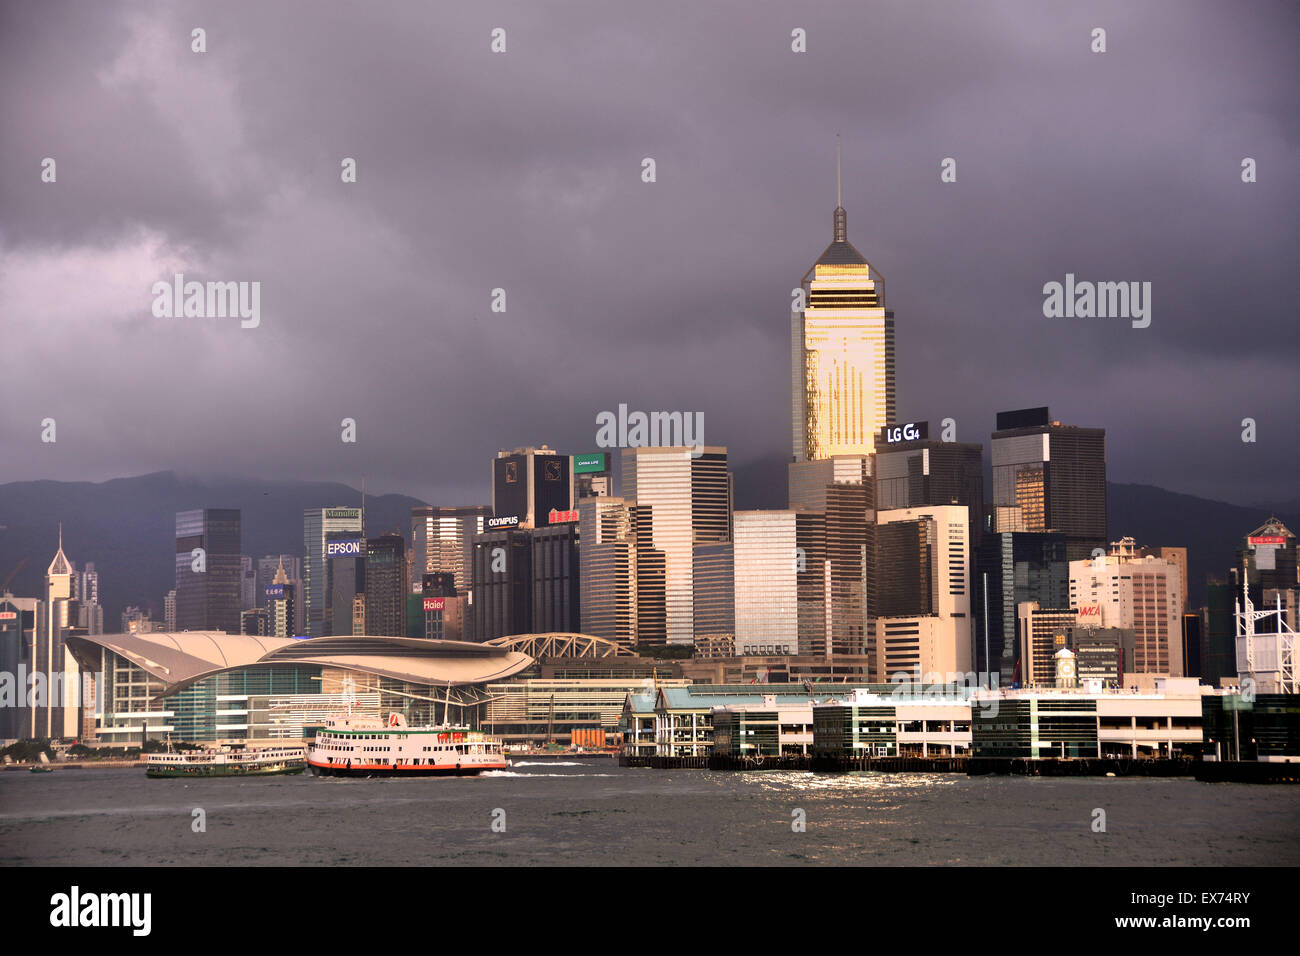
x: 208, y: 593
x: 318, y: 524
x: 442, y: 540
x: 842, y: 355
x: 1055, y: 474
x: 681, y: 501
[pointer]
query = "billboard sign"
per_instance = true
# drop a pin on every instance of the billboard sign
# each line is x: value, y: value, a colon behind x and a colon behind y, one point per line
x: 591, y: 464
x: 351, y: 547
x: 435, y: 604
x: 909, y: 431
x: 503, y: 521
x: 1089, y: 613
x: 560, y: 517
x: 342, y: 512
x: 275, y: 591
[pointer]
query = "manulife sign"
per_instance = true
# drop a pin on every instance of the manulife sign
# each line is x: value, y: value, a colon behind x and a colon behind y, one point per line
x: 342, y: 512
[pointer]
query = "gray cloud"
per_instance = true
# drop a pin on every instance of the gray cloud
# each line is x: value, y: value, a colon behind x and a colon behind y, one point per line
x: 522, y: 171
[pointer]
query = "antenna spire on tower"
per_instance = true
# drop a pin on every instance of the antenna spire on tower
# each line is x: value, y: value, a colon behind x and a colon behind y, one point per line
x: 839, y: 197
x: 841, y: 218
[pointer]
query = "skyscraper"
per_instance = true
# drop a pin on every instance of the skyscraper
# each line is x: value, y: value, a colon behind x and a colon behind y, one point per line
x: 919, y: 470
x: 281, y: 597
x: 442, y: 541
x: 841, y: 488
x: 317, y: 524
x: 842, y: 352
x: 208, y: 570
x: 18, y: 634
x: 386, y: 585
x: 1123, y: 590
x: 681, y: 501
x: 1015, y: 567
x: 56, y: 712
x: 608, y: 570
x: 1054, y: 474
x: 923, y: 601
x: 780, y: 584
x: 529, y: 483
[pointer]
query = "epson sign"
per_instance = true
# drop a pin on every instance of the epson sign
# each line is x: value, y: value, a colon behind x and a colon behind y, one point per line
x: 342, y: 548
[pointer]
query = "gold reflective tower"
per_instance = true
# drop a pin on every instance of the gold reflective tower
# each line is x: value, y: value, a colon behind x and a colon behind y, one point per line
x: 842, y: 351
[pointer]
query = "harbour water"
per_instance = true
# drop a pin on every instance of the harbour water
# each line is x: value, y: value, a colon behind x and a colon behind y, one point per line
x: 592, y: 812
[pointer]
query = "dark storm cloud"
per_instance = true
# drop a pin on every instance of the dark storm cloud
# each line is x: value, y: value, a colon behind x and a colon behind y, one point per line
x: 522, y: 171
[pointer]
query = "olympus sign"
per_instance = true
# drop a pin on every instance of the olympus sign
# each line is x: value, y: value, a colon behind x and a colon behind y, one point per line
x: 503, y: 522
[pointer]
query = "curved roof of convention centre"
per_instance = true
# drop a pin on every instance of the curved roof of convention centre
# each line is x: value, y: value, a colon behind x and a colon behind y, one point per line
x: 182, y: 658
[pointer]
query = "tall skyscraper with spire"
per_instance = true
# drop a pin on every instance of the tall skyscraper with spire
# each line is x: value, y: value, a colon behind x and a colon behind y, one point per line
x: 842, y: 351
x: 55, y: 712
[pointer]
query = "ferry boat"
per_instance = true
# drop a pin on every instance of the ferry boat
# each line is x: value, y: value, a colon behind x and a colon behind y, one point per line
x: 359, y: 746
x: 228, y: 761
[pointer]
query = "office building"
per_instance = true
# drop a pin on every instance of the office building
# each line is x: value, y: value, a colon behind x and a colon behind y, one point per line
x: 912, y: 470
x: 281, y: 598
x: 780, y: 582
x: 1142, y: 593
x: 55, y: 713
x: 591, y: 475
x: 607, y: 558
x: 503, y: 584
x: 247, y: 583
x: 386, y: 586
x: 530, y: 483
x: 1014, y: 567
x: 90, y: 616
x: 923, y: 609
x: 255, y: 621
x: 208, y: 570
x: 17, y: 640
x: 841, y: 488
x: 682, y: 501
x: 442, y: 541
x: 557, y: 591
x: 345, y: 582
x: 1054, y: 474
x: 714, y: 587
x: 318, y: 524
x: 842, y: 353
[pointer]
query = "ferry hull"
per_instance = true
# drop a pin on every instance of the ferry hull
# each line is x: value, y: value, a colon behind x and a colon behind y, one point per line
x: 223, y: 772
x: 320, y: 770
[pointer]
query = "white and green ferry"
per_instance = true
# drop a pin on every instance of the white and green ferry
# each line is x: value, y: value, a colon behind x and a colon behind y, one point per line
x: 230, y: 761
x: 357, y: 746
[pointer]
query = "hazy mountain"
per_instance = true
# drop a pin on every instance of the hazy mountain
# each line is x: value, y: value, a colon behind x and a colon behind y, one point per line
x: 126, y: 525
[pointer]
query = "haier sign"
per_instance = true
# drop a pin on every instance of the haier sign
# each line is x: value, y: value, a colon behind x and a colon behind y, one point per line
x: 334, y: 549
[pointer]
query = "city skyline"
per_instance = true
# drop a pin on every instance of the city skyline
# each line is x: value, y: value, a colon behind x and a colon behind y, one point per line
x: 564, y: 210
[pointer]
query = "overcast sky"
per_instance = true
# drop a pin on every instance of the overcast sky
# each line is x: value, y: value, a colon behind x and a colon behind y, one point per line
x: 522, y: 171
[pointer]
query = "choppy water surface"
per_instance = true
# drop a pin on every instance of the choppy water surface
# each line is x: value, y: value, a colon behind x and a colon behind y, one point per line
x: 594, y: 812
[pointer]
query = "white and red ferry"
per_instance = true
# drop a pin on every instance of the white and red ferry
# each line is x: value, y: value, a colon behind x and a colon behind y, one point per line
x: 357, y: 746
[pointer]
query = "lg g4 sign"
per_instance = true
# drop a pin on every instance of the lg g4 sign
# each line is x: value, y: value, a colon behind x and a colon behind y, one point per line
x: 912, y: 431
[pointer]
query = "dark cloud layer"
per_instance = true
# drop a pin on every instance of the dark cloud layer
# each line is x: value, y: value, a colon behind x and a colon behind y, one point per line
x: 522, y: 171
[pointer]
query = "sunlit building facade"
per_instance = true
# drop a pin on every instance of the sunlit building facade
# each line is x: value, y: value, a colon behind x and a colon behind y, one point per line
x: 842, y: 354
